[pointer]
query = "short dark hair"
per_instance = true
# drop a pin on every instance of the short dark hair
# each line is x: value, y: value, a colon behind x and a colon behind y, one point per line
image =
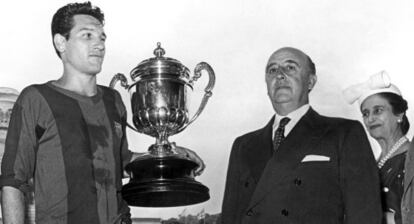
x: 399, y: 105
x: 62, y: 21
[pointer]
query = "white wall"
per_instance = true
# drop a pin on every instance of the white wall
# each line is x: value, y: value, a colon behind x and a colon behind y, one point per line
x: 348, y: 41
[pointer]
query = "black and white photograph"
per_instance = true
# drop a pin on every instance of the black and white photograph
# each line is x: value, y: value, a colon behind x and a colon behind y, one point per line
x: 207, y: 112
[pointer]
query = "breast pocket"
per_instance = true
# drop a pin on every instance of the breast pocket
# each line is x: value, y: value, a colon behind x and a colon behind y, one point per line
x: 318, y: 172
x: 316, y: 166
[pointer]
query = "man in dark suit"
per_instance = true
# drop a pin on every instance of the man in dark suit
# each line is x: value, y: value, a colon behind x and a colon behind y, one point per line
x: 407, y: 201
x: 301, y: 167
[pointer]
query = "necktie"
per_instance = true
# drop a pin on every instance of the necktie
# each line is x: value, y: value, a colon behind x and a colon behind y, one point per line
x: 280, y: 133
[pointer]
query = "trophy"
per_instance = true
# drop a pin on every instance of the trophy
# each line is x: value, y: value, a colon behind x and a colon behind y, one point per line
x: 162, y: 177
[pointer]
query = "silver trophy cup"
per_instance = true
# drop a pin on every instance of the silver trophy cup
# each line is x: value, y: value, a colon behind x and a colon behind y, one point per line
x: 162, y: 177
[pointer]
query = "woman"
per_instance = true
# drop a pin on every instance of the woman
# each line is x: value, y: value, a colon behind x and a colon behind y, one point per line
x: 383, y: 110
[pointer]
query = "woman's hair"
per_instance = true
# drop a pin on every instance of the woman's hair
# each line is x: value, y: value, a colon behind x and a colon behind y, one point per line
x: 398, y: 105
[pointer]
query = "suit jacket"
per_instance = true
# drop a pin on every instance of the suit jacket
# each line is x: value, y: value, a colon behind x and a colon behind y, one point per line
x: 407, y: 201
x: 324, y: 172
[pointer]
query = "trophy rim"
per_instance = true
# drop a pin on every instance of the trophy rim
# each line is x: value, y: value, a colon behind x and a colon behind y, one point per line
x: 160, y: 77
x: 156, y: 66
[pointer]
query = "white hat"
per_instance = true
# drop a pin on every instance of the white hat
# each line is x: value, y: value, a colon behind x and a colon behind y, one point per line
x: 378, y: 83
x: 8, y: 94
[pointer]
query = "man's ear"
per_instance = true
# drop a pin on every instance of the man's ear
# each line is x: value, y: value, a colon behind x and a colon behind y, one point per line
x: 60, y: 43
x: 312, y: 81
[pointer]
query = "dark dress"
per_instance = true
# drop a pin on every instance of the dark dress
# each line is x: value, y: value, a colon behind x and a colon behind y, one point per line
x: 392, y: 179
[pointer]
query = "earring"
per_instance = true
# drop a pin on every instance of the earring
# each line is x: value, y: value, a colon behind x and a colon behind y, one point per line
x: 399, y: 120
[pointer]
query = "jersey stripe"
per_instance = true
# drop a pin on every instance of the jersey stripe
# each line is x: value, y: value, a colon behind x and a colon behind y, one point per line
x: 77, y: 156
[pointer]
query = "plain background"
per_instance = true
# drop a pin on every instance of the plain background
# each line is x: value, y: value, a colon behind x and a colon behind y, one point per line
x: 347, y: 40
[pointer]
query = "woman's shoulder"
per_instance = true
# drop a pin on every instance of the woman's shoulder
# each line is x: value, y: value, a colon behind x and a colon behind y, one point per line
x: 395, y: 163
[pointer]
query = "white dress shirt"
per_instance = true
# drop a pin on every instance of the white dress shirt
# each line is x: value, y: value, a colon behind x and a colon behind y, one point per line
x: 294, y: 116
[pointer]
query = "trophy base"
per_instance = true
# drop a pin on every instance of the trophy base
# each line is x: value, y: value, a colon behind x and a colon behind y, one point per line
x: 165, y: 193
x: 163, y: 182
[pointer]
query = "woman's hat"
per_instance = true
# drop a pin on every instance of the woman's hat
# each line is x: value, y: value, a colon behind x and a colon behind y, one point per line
x: 378, y: 83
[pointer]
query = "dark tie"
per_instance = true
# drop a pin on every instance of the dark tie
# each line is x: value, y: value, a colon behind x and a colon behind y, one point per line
x: 280, y: 133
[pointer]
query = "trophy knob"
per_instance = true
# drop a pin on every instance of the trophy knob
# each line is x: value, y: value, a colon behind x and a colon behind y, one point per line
x: 159, y: 51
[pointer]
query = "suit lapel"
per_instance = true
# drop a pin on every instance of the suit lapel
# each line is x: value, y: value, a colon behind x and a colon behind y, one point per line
x: 258, y: 151
x: 303, y: 136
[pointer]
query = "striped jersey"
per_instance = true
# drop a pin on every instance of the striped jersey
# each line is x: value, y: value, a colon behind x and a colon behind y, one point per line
x: 75, y: 149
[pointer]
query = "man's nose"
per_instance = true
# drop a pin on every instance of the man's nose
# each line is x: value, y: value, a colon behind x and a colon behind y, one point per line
x: 100, y: 45
x: 280, y: 75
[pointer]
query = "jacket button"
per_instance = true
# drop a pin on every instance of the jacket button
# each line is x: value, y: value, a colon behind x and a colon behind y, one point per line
x: 285, y: 212
x: 297, y: 181
x: 249, y: 212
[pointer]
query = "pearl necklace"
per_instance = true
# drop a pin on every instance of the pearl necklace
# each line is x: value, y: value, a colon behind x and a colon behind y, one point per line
x: 394, y: 148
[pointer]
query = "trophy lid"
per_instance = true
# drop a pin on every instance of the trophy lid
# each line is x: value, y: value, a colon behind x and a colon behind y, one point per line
x: 160, y: 67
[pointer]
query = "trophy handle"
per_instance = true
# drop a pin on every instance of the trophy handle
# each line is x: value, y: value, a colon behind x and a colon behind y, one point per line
x: 207, y: 91
x: 119, y: 77
x: 124, y: 83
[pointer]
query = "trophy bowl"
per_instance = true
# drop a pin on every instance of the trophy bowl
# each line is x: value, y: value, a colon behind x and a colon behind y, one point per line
x: 159, y: 100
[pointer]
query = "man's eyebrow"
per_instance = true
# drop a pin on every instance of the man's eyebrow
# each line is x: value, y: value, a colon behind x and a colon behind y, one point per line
x: 270, y: 65
x: 287, y: 61
x: 86, y: 28
x: 91, y: 29
x: 293, y: 62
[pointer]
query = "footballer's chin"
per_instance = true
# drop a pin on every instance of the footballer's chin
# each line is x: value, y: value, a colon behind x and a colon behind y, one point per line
x: 94, y: 69
x: 96, y: 62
